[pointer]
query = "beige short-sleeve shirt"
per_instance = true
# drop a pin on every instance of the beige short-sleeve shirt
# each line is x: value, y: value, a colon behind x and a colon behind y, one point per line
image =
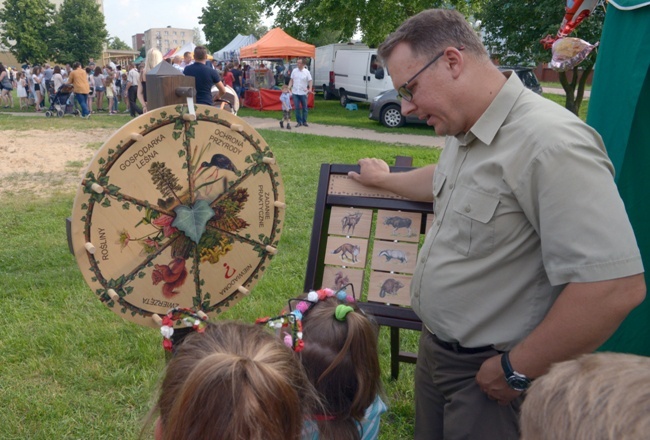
x: 524, y: 203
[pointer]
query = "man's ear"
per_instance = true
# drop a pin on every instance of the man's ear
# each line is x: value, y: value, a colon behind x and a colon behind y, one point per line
x: 455, y: 61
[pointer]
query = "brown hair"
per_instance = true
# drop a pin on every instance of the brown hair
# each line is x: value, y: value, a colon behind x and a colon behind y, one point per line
x: 234, y: 381
x: 597, y: 396
x: 200, y: 53
x: 431, y: 31
x: 342, y: 363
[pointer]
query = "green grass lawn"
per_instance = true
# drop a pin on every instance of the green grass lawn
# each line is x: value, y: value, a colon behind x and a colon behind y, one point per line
x: 72, y: 369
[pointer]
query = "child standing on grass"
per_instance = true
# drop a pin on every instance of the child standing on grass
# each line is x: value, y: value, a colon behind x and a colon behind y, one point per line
x: 285, y: 99
x: 22, y: 89
x: 110, y: 94
x: 230, y: 381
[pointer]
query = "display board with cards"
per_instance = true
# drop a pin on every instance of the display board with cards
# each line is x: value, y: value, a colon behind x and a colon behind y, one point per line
x: 370, y: 239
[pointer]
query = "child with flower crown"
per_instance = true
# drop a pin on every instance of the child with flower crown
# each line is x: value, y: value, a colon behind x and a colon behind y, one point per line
x: 229, y: 381
x: 337, y: 345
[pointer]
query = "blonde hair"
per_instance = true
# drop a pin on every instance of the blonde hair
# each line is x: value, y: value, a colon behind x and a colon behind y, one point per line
x: 154, y: 57
x: 604, y: 396
x: 234, y: 381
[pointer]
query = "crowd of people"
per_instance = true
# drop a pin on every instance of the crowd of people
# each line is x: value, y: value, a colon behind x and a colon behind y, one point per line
x: 111, y: 84
x: 36, y: 86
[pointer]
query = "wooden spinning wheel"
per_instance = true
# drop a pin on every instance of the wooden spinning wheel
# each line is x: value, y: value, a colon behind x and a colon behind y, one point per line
x: 177, y: 210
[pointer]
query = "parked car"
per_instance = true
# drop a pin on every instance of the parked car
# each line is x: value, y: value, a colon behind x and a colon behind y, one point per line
x: 387, y: 106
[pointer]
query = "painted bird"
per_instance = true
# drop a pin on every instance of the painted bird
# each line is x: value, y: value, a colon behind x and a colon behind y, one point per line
x: 220, y: 162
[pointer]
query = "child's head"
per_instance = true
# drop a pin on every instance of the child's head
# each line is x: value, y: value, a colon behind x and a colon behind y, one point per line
x: 341, y: 359
x: 233, y: 381
x: 602, y: 395
x: 285, y: 89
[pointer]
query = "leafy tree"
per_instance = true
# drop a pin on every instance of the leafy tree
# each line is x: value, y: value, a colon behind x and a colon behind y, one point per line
x: 79, y: 32
x: 513, y: 31
x: 308, y: 20
x: 222, y: 20
x: 24, y: 29
x: 198, y: 40
x: 116, y: 44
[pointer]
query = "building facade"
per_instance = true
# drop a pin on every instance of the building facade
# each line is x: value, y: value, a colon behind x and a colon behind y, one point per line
x: 167, y: 38
x: 137, y: 41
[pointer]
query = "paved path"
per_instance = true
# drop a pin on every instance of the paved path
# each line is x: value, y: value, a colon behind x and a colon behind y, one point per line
x: 324, y: 130
x: 349, y: 132
x: 560, y: 91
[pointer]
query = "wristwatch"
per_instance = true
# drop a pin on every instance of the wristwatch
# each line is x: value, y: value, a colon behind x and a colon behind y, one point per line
x: 516, y: 381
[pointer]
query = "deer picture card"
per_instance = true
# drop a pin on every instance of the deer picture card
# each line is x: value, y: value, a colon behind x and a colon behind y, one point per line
x: 398, y: 225
x: 345, y: 251
x: 336, y: 277
x: 389, y: 288
x: 351, y: 222
x: 391, y: 256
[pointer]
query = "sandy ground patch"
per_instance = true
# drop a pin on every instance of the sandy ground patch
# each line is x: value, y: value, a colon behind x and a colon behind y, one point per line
x: 43, y: 162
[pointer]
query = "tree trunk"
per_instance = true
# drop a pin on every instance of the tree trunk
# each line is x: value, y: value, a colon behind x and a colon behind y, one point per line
x: 574, y: 95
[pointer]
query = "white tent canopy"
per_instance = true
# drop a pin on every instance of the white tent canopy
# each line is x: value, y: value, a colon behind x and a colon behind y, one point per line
x: 231, y: 50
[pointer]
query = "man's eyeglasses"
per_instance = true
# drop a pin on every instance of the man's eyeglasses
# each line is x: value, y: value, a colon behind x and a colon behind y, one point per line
x: 404, y: 92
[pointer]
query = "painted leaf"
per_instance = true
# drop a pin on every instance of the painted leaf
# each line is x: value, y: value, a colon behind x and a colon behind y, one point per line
x: 192, y: 221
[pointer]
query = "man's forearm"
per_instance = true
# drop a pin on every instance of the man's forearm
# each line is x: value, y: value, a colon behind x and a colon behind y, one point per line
x: 583, y: 317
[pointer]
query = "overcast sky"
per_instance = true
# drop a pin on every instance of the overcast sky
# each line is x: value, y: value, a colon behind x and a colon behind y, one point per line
x: 125, y: 18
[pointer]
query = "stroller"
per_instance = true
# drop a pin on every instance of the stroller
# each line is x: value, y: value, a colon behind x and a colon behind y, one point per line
x: 62, y: 103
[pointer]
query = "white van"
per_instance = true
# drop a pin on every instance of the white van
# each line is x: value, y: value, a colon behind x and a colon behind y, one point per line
x: 359, y: 76
x: 322, y: 68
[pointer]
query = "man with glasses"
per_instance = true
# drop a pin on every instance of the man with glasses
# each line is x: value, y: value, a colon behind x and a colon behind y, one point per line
x: 531, y: 258
x: 301, y: 85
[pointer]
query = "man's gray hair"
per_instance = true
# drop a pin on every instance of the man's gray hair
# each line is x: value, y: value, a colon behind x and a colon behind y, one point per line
x: 431, y: 31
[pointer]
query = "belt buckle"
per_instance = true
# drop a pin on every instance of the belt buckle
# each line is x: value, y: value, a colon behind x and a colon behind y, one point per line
x: 455, y: 347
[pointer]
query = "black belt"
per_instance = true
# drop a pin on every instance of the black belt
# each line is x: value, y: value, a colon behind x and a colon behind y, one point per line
x: 457, y: 348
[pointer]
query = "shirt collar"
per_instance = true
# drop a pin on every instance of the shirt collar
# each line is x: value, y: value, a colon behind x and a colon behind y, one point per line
x: 487, y: 126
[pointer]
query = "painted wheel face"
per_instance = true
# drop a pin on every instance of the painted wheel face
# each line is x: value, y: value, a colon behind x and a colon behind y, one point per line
x: 392, y: 117
x: 178, y: 213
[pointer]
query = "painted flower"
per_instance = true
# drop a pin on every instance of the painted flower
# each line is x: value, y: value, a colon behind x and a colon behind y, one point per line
x: 165, y: 222
x: 124, y: 239
x: 149, y: 246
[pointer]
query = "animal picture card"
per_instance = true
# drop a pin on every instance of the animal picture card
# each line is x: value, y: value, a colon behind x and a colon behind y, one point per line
x: 391, y: 256
x: 398, y: 225
x: 351, y: 222
x: 344, y: 251
x: 389, y: 288
x: 337, y: 277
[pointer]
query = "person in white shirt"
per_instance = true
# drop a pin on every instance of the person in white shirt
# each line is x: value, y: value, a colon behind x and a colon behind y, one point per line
x: 300, y: 84
x: 133, y: 80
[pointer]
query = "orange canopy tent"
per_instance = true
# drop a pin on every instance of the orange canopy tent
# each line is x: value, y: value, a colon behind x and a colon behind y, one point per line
x: 276, y: 43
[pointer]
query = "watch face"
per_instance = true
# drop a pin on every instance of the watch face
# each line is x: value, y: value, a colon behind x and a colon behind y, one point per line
x: 518, y: 383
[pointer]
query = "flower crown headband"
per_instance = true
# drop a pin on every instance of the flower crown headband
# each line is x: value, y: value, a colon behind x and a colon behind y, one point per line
x: 293, y: 319
x: 189, y: 318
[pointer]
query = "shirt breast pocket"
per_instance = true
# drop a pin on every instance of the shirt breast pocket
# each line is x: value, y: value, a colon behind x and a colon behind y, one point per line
x: 474, y: 213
